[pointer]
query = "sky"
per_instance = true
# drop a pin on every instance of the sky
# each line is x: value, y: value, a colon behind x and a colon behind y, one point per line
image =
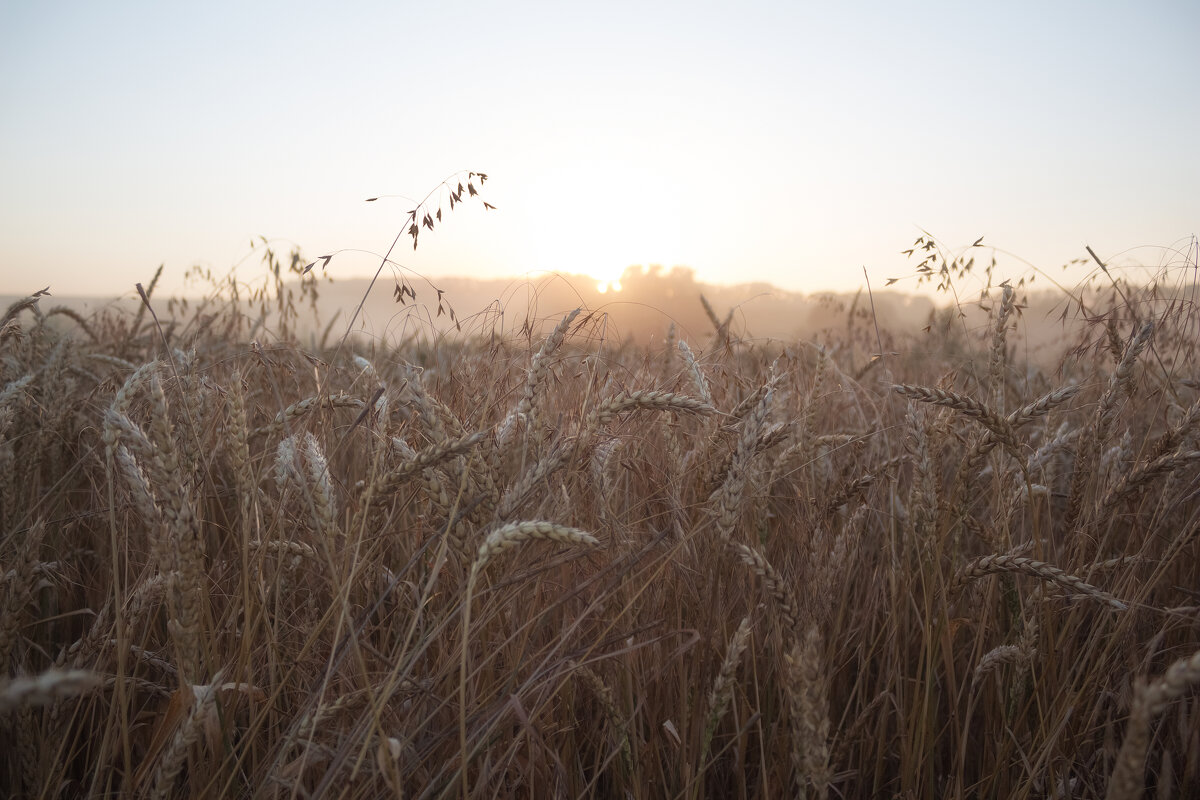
x: 793, y: 143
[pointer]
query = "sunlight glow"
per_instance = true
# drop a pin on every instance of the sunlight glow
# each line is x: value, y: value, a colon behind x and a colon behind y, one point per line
x: 749, y: 147
x: 611, y: 224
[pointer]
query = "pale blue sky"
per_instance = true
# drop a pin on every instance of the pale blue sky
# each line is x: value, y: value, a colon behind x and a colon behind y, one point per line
x: 784, y: 142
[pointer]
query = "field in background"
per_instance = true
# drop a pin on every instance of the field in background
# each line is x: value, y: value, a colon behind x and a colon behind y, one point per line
x: 239, y: 560
x: 650, y: 299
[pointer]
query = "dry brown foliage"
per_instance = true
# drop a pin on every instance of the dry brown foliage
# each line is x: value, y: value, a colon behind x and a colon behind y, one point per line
x: 235, y: 565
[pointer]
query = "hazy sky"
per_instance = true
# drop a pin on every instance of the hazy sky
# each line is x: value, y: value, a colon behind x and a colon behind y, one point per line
x: 785, y: 142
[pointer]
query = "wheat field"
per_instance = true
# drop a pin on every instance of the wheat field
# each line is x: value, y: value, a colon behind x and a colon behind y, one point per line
x: 243, y: 561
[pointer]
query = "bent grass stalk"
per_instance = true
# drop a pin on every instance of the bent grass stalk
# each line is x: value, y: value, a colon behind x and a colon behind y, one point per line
x: 499, y: 540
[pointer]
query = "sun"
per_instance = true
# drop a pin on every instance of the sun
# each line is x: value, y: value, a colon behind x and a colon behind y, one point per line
x: 602, y: 231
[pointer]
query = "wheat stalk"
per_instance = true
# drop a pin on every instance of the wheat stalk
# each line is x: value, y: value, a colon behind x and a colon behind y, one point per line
x: 809, y: 414
x: 616, y: 719
x: 320, y: 489
x: 13, y: 388
x: 996, y: 657
x: 185, y: 537
x: 669, y: 349
x: 504, y: 538
x: 1106, y: 409
x: 18, y: 590
x: 999, y: 350
x: 519, y: 492
x: 1131, y: 482
x: 385, y: 485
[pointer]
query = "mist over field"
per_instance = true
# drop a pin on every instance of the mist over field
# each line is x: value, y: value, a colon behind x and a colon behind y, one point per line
x: 649, y: 300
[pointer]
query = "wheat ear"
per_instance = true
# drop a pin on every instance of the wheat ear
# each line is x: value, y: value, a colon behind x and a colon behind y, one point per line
x: 722, y: 689
x: 302, y: 407
x: 1150, y: 699
x: 698, y: 379
x: 999, y: 351
x: 775, y: 584
x: 730, y: 496
x: 990, y: 565
x: 171, y: 762
x: 46, y: 688
x: 509, y: 536
x: 535, y: 380
x: 18, y: 589
x: 1106, y: 410
x: 808, y: 704
x: 809, y: 415
x: 185, y: 537
x: 607, y: 702
x: 648, y: 399
x: 968, y: 406
x: 1131, y: 482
